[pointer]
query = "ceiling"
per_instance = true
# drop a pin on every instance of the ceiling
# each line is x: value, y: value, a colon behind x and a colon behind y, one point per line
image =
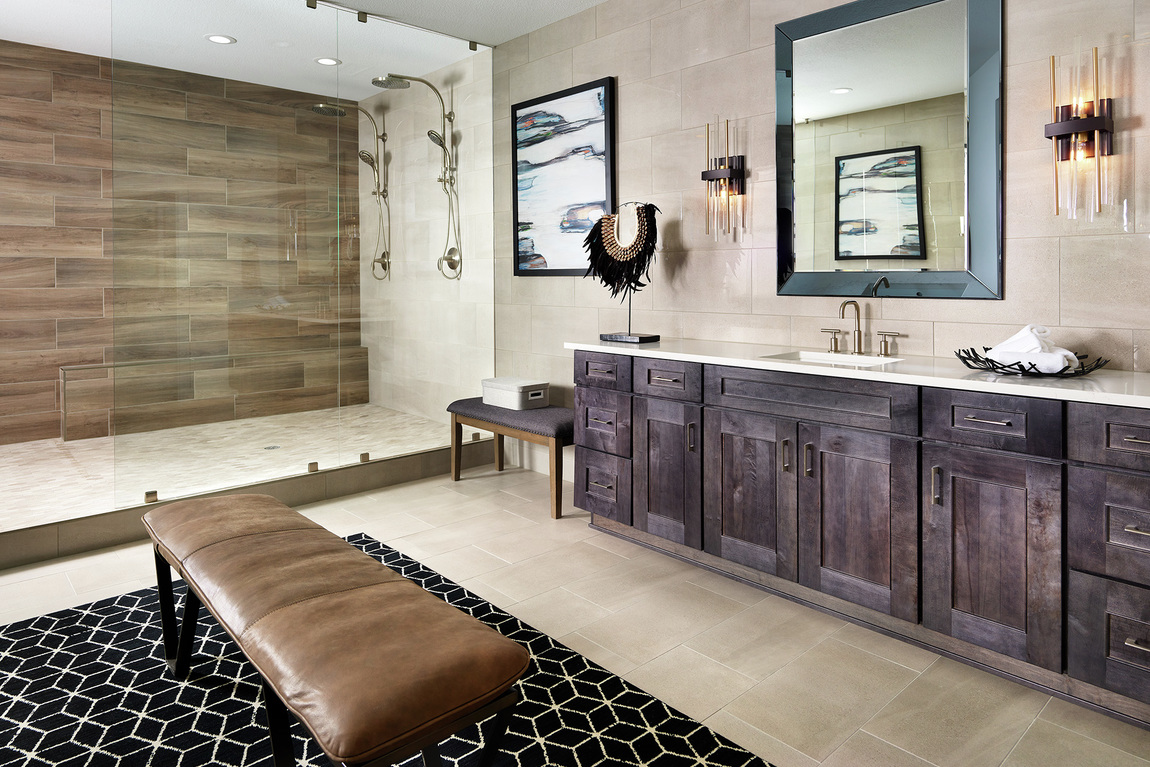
x: 279, y: 40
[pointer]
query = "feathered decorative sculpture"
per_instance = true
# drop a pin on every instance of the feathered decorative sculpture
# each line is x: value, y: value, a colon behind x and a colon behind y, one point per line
x: 622, y: 269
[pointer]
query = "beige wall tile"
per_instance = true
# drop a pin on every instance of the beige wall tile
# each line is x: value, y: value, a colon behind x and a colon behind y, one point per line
x: 699, y: 33
x: 562, y: 35
x: 650, y: 107
x: 624, y: 54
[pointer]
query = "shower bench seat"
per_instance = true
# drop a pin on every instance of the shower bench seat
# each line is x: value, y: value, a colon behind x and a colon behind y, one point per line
x: 551, y: 426
x: 376, y: 668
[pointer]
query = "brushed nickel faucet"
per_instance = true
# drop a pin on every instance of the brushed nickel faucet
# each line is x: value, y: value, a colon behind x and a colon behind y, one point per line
x: 856, y: 337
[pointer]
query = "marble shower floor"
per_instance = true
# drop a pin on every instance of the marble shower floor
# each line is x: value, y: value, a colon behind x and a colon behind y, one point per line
x: 52, y: 480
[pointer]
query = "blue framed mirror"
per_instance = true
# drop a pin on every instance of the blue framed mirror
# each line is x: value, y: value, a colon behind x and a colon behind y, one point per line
x: 917, y: 84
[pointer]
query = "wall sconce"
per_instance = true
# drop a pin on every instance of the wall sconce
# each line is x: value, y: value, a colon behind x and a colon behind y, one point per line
x: 1081, y: 130
x: 726, y: 179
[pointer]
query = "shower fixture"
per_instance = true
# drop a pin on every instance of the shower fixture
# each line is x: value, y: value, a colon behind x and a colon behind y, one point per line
x: 450, y: 264
x: 379, y: 172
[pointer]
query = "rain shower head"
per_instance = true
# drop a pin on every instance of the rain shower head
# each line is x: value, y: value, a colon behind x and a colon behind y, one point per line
x: 391, y: 82
x: 329, y: 110
x: 368, y: 158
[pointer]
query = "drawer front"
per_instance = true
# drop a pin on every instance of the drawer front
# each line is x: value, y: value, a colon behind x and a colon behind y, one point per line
x: 1108, y: 523
x: 603, y: 371
x: 1017, y: 424
x: 1109, y: 435
x: 863, y: 404
x: 603, y: 420
x: 669, y: 379
x: 603, y: 484
x: 1108, y: 641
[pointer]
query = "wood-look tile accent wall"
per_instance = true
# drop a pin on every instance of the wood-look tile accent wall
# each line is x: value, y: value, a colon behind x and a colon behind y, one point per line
x: 148, y: 214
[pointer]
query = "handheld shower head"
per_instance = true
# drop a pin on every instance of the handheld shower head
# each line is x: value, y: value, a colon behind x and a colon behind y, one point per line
x: 329, y: 110
x: 391, y: 82
x: 368, y: 158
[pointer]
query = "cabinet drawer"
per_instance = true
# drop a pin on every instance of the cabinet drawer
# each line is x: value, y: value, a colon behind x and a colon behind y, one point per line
x: 863, y: 404
x: 1001, y: 422
x: 603, y: 484
x: 603, y: 371
x: 603, y: 420
x: 1108, y: 519
x: 1108, y: 641
x: 669, y: 379
x: 1109, y: 435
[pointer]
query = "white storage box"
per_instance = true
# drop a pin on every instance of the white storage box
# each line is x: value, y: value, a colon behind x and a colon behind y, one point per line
x: 515, y: 393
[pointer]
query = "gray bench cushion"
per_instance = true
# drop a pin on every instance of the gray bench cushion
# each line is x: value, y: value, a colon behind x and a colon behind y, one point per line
x: 547, y: 421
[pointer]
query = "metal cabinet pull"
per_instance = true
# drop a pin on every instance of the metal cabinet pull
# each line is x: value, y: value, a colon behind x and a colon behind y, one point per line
x: 1136, y: 530
x: 786, y: 452
x: 936, y: 485
x: 597, y: 484
x: 1136, y: 441
x: 598, y: 370
x: 1132, y: 642
x: 599, y: 420
x: 808, y: 459
x: 661, y: 379
x: 983, y: 420
x: 690, y: 437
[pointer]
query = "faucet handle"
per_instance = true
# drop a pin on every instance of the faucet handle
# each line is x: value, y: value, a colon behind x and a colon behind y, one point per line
x: 834, y: 339
x: 884, y: 344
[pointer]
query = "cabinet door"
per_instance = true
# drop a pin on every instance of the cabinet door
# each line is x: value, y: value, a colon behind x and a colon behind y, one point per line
x: 858, y: 517
x: 668, y: 469
x: 749, y: 501
x: 992, y: 551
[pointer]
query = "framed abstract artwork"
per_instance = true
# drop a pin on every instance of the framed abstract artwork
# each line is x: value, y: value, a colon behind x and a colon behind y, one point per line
x: 878, y: 205
x: 562, y: 152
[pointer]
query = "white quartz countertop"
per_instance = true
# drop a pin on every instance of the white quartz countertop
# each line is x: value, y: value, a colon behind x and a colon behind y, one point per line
x: 1106, y: 387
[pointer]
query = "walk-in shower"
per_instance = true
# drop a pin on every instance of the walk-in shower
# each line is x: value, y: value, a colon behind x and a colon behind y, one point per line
x: 381, y: 259
x: 450, y: 264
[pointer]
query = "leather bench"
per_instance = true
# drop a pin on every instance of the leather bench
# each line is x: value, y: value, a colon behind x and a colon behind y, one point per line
x: 376, y: 668
x: 551, y: 426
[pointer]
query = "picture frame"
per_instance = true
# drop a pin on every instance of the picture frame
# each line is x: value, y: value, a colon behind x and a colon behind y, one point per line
x: 562, y: 153
x: 878, y: 205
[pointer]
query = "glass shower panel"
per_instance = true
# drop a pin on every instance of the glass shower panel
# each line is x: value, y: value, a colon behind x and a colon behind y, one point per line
x: 231, y: 301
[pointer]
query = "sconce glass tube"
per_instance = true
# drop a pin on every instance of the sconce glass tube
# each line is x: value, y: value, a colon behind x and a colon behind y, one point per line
x: 726, y: 186
x: 1080, y: 131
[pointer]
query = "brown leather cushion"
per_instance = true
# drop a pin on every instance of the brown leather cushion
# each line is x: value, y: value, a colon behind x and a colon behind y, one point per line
x: 366, y: 659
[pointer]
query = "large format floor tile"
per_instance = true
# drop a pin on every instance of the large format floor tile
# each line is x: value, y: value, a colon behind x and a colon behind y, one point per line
x: 794, y: 685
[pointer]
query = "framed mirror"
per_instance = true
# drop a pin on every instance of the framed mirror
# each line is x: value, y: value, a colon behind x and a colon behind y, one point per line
x: 889, y: 150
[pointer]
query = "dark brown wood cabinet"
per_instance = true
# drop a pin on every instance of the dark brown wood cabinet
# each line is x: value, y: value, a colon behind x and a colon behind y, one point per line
x: 992, y: 551
x: 1109, y: 634
x: 858, y: 517
x: 668, y: 469
x: 749, y: 490
x: 603, y: 435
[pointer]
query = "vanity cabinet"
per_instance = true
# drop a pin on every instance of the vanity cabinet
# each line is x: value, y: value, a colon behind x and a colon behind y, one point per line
x: 992, y: 522
x: 603, y: 435
x: 1108, y: 519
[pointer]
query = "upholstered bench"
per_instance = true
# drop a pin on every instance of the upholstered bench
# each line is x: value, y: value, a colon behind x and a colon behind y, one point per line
x: 375, y: 667
x: 551, y: 426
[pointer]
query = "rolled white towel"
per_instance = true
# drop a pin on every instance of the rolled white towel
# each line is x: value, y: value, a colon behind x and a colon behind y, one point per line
x: 1031, y: 339
x: 1046, y: 362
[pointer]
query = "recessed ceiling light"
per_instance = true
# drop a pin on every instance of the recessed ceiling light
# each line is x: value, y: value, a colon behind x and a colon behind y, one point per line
x: 220, y: 39
x: 328, y: 62
x: 841, y: 91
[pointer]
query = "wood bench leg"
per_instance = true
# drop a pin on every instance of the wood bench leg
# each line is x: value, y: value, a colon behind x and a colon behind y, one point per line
x: 183, y: 658
x: 431, y: 757
x: 279, y: 728
x: 555, y: 448
x: 456, y: 447
x: 498, y: 451
x: 494, y: 738
x: 167, y: 608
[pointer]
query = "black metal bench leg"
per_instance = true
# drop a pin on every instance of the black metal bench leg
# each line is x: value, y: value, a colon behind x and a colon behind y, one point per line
x: 494, y: 738
x: 279, y: 728
x: 183, y: 658
x: 167, y: 608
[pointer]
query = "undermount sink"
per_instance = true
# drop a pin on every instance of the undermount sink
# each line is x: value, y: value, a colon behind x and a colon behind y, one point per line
x: 831, y: 358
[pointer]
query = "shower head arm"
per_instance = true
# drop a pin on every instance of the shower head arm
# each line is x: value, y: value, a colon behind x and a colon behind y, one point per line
x: 447, y: 116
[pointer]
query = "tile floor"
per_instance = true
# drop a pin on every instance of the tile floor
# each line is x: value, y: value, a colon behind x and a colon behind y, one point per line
x: 794, y: 685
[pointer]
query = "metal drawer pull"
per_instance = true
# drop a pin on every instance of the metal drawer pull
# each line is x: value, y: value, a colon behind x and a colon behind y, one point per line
x: 935, y: 485
x: 786, y: 448
x: 597, y: 484
x: 983, y: 420
x: 1136, y: 530
x: 809, y: 455
x: 661, y: 379
x: 1136, y: 441
x: 597, y: 370
x: 599, y: 420
x: 1132, y: 642
x: 690, y: 437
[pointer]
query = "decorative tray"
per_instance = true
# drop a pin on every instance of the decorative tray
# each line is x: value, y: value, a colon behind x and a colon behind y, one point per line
x: 976, y: 361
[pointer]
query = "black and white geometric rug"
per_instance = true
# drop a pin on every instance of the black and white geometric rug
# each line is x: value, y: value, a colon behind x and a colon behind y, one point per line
x: 87, y: 686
